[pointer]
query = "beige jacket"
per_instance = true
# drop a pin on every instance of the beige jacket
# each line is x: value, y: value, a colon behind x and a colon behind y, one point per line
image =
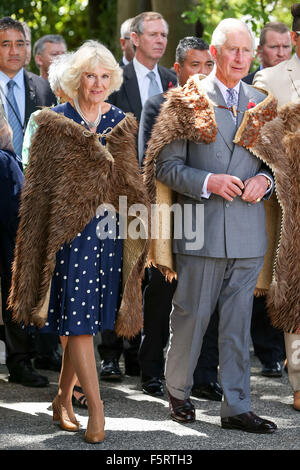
x: 282, y: 80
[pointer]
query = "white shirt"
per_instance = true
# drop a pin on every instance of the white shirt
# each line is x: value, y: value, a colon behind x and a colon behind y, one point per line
x: 144, y: 81
x: 19, y: 92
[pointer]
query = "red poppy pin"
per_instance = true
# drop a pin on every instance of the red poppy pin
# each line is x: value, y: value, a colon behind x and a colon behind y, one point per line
x: 251, y: 105
x: 171, y: 85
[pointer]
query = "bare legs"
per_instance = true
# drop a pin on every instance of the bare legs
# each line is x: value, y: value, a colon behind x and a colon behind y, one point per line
x: 79, y: 361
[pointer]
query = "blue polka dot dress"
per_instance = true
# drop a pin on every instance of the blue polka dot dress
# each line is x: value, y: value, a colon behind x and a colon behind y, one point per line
x: 86, y: 284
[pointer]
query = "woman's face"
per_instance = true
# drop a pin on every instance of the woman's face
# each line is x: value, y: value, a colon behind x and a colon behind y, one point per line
x: 94, y: 86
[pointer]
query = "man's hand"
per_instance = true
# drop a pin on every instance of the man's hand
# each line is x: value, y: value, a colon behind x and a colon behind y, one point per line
x: 255, y: 188
x: 227, y: 186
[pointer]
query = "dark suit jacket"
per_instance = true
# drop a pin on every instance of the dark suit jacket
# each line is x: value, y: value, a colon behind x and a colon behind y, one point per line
x: 128, y: 97
x: 11, y: 182
x: 149, y: 114
x: 249, y: 78
x: 37, y: 93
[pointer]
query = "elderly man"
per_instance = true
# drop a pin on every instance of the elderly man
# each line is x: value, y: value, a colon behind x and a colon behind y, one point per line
x: 192, y: 56
x: 143, y: 77
x: 201, y: 155
x: 283, y: 82
x: 125, y: 43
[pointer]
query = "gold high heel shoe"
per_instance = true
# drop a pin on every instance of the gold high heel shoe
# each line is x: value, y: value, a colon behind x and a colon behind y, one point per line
x: 60, y: 414
x: 96, y: 437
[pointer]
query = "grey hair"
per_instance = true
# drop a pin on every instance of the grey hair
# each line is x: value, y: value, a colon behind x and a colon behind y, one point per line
x: 227, y: 26
x: 56, y: 71
x: 39, y: 45
x: 137, y: 25
x: 188, y: 43
x: 87, y: 57
x: 125, y: 29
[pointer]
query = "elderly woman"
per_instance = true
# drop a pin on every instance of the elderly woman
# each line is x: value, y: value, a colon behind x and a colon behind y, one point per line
x: 70, y: 275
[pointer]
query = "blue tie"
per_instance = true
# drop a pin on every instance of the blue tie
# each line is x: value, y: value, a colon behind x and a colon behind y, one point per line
x: 14, y: 118
x: 153, y: 85
x: 232, y: 99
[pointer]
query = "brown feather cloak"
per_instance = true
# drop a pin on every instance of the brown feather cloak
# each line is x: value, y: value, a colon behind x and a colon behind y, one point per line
x: 69, y: 175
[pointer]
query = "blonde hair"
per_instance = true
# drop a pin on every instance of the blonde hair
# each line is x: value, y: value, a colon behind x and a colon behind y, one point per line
x: 57, y: 69
x: 86, y: 59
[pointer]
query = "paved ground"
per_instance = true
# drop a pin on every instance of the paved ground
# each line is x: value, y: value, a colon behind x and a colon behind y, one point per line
x: 135, y: 421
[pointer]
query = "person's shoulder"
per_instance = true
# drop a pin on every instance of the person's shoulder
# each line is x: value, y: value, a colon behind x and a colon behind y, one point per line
x: 155, y: 100
x: 168, y: 72
x: 36, y: 79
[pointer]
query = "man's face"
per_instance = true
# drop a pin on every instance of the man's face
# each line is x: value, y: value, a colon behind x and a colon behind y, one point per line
x: 126, y: 46
x: 277, y: 47
x: 152, y: 43
x: 196, y: 61
x: 234, y: 58
x: 12, y: 52
x: 51, y: 50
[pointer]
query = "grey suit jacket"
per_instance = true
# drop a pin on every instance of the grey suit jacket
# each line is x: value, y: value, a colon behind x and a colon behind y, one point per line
x: 231, y: 229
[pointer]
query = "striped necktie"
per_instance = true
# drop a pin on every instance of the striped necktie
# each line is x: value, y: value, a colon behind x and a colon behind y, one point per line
x: 14, y: 118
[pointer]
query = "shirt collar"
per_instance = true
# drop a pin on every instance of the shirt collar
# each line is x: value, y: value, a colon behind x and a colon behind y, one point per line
x: 223, y: 87
x: 18, y: 78
x: 141, y: 70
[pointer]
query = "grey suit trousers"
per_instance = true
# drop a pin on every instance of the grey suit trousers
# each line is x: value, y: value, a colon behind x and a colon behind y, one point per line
x: 202, y: 284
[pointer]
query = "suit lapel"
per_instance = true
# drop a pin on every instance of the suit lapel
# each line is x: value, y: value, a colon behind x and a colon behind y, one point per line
x: 226, y: 125
x: 30, y: 97
x: 132, y: 91
x: 293, y: 69
x: 165, y: 79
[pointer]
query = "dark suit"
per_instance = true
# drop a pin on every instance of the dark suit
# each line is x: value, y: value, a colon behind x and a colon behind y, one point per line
x: 268, y: 342
x: 249, y: 78
x: 128, y: 97
x: 37, y: 94
x: 158, y: 295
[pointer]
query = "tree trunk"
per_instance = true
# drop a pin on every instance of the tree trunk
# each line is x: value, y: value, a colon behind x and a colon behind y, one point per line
x: 172, y: 10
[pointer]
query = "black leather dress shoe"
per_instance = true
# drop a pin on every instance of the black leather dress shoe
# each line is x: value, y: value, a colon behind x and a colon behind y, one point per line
x: 110, y: 370
x: 49, y: 362
x: 25, y: 374
x: 182, y: 411
x: 211, y: 391
x: 152, y: 386
x: 249, y: 422
x: 272, y: 370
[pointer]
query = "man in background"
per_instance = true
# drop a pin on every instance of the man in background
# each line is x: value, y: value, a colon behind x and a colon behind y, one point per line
x: 125, y: 43
x: 46, y: 49
x: 274, y: 47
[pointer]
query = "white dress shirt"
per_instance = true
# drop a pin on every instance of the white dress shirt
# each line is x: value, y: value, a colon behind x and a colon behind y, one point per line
x: 144, y: 81
x: 19, y: 91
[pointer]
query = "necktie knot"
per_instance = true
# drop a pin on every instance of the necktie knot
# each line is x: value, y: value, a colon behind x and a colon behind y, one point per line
x: 11, y: 84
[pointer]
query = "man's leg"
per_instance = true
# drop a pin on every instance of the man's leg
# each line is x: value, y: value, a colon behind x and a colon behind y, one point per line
x: 235, y: 310
x: 199, y: 284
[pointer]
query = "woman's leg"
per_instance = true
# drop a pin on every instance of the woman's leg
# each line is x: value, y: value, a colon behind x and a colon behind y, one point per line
x: 67, y: 379
x: 81, y: 353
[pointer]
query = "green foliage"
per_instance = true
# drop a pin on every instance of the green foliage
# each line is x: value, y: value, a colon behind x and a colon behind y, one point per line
x: 70, y: 18
x: 255, y: 12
